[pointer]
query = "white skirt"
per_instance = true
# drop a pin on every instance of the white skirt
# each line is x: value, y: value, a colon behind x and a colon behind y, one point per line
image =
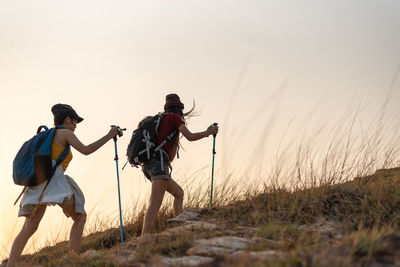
x: 60, y: 190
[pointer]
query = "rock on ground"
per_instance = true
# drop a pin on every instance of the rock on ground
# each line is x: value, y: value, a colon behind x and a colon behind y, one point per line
x: 183, y: 261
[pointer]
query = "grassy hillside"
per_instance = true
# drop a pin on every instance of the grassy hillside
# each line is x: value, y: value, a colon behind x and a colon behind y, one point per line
x: 354, y: 223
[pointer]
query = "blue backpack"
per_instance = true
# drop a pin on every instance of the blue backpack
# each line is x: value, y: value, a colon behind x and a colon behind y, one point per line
x: 33, y: 164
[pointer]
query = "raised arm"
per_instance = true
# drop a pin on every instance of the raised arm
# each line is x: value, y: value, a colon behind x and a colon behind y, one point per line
x: 199, y: 135
x: 89, y: 149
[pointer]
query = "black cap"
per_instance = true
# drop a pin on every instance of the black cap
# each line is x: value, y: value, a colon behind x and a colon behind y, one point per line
x: 61, y: 111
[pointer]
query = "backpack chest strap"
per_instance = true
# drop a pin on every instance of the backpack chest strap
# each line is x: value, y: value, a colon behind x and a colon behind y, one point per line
x: 166, y: 139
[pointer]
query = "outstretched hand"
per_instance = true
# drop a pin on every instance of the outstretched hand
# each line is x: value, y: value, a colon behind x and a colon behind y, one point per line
x: 113, y: 131
x: 213, y: 129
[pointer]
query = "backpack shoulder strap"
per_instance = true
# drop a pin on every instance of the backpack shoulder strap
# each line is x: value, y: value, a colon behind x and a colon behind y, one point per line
x: 166, y: 139
x: 160, y: 116
x: 62, y: 157
x: 64, y: 154
x: 169, y: 137
x: 59, y: 160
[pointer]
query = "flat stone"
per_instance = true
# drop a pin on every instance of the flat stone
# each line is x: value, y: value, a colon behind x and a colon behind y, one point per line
x: 183, y: 261
x: 209, y: 251
x: 186, y: 215
x: 192, y: 226
x: 231, y: 242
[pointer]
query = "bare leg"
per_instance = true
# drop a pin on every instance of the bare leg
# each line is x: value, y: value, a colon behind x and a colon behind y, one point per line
x: 30, y: 226
x: 75, y: 236
x: 158, y: 188
x: 174, y: 189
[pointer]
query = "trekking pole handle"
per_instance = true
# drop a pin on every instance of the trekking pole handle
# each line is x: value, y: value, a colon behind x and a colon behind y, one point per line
x: 214, y: 135
x: 215, y: 124
x: 120, y: 130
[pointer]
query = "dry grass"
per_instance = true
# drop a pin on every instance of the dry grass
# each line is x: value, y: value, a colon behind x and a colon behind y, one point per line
x: 366, y: 212
x: 327, y: 173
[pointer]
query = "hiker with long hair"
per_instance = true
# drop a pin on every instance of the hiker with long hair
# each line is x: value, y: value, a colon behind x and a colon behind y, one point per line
x: 61, y: 189
x: 157, y: 169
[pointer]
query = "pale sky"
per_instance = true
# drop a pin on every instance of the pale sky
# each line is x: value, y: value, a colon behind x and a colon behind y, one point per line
x: 243, y: 62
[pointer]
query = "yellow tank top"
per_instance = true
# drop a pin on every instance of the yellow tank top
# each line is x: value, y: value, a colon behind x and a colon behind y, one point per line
x: 56, y: 151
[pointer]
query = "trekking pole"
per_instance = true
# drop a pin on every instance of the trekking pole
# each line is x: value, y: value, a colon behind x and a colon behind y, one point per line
x: 212, y: 170
x: 120, y: 133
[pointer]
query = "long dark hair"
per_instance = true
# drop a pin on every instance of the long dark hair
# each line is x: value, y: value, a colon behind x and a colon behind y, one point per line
x: 179, y: 111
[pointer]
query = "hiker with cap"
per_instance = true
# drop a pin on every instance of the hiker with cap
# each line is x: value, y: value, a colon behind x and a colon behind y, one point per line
x: 158, y: 169
x: 61, y: 189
